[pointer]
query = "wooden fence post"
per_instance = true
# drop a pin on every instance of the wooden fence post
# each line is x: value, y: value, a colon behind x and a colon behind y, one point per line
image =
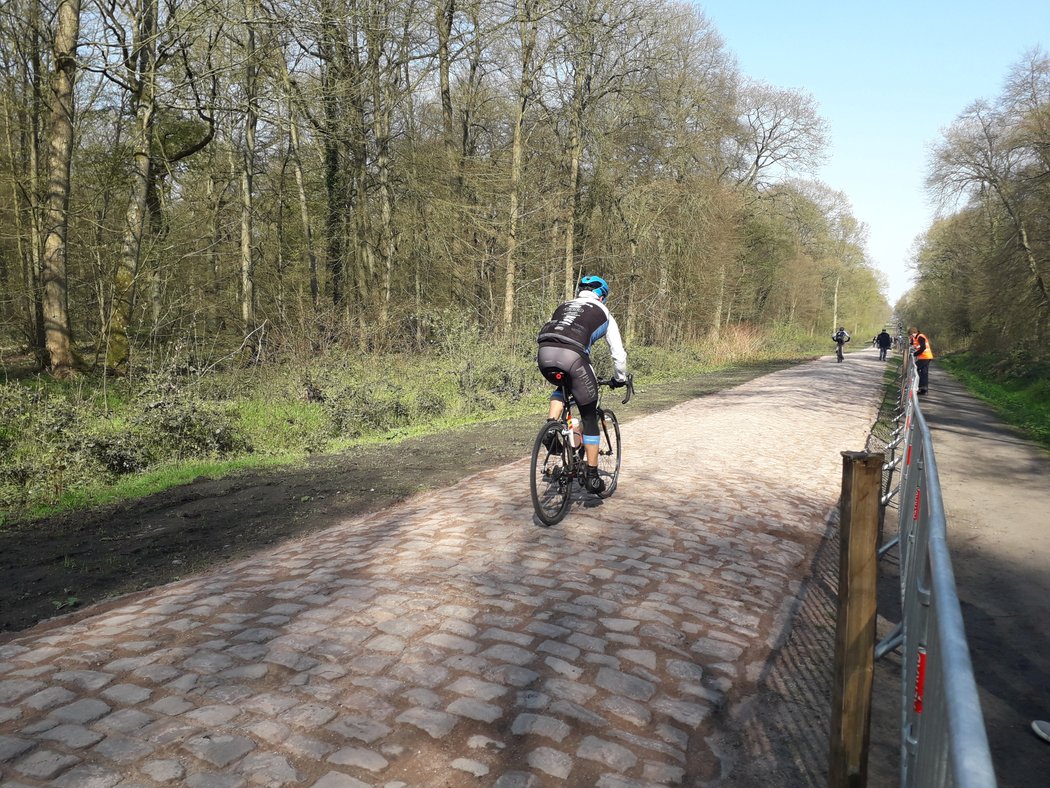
x: 855, y: 626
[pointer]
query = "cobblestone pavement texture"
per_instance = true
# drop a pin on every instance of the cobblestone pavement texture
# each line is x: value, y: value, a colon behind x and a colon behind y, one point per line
x: 451, y: 640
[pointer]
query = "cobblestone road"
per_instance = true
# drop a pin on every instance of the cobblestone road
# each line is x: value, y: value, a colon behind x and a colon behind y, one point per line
x: 452, y: 641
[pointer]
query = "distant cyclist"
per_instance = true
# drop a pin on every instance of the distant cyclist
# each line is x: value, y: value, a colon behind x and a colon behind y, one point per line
x: 841, y: 337
x: 564, y: 360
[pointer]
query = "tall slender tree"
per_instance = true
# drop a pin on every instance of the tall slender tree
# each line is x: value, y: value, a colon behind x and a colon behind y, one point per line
x: 60, y: 154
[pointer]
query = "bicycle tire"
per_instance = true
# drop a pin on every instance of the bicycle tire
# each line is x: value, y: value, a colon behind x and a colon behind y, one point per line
x: 609, y: 451
x: 550, y: 480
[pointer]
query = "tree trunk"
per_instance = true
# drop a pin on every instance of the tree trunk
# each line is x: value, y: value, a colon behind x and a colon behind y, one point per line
x: 385, y: 242
x: 1026, y: 247
x: 664, y: 325
x: 444, y: 13
x: 835, y: 304
x: 24, y: 185
x: 527, y: 36
x: 304, y: 205
x: 583, y: 63
x: 716, y: 318
x: 216, y: 201
x: 155, y: 216
x: 573, y: 200
x: 247, y: 246
x: 143, y: 80
x: 35, y: 311
x: 333, y: 85
x: 53, y: 270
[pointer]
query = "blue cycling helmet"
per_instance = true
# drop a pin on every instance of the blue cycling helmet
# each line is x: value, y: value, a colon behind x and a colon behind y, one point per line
x: 596, y: 284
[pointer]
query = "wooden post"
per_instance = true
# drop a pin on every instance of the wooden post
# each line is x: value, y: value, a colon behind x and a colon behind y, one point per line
x: 855, y: 626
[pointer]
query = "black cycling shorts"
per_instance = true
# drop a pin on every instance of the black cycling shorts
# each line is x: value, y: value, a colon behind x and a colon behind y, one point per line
x: 558, y: 362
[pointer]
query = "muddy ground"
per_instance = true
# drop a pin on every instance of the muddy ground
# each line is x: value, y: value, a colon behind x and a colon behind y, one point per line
x: 54, y: 567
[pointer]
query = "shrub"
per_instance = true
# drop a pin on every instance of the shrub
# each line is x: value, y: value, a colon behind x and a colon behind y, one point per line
x: 16, y: 408
x: 431, y: 403
x: 492, y: 372
x: 186, y: 429
x: 281, y: 426
x: 117, y: 451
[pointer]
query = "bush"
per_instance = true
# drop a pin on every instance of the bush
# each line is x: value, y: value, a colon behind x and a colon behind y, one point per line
x: 187, y: 429
x: 431, y: 404
x: 16, y: 407
x: 39, y: 442
x: 117, y: 451
x: 494, y: 374
x: 357, y: 410
x: 283, y: 426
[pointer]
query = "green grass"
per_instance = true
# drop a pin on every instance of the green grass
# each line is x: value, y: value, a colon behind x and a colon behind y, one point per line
x: 884, y: 422
x: 70, y: 445
x: 1021, y: 396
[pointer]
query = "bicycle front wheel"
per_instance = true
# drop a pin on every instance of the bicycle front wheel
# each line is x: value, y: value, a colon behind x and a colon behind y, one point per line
x: 608, y: 451
x: 551, y: 476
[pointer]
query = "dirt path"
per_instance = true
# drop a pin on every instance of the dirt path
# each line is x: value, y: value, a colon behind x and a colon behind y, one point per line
x: 449, y: 638
x: 996, y: 489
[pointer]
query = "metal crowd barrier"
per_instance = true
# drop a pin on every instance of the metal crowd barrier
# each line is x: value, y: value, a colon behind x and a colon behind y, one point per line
x: 943, y: 739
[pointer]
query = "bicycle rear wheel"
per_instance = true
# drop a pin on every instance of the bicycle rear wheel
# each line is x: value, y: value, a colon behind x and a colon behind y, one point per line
x: 551, y: 476
x: 608, y: 451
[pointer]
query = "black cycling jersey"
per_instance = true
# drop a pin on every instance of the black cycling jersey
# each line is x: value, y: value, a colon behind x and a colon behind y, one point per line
x: 579, y: 323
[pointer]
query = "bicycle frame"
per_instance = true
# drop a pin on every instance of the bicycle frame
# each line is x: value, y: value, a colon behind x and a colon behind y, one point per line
x: 570, y: 402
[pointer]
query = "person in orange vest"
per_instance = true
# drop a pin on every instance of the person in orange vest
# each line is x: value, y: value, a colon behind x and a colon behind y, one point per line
x: 923, y: 354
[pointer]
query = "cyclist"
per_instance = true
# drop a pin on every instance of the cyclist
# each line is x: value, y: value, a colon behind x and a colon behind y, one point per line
x: 841, y: 337
x: 564, y: 360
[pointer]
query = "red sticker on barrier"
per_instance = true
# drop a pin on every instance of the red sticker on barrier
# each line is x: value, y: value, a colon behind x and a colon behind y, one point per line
x: 918, y: 496
x: 920, y: 680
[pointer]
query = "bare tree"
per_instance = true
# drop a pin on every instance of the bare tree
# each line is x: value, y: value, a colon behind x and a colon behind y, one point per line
x: 977, y: 156
x: 25, y: 62
x: 781, y: 132
x: 60, y: 155
x: 141, y: 81
x: 250, y: 114
x: 528, y: 13
x: 604, y: 43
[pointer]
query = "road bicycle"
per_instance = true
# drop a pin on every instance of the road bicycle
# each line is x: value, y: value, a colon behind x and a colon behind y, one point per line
x: 840, y: 338
x: 558, y: 461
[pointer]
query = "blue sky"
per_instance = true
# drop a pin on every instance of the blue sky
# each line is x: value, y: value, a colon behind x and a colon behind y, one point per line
x: 888, y: 78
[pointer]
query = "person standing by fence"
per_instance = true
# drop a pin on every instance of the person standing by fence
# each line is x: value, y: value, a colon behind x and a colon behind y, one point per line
x: 923, y: 353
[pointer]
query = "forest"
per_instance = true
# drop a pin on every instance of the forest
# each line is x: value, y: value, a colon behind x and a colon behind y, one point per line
x: 983, y: 267
x: 233, y: 226
x: 200, y: 179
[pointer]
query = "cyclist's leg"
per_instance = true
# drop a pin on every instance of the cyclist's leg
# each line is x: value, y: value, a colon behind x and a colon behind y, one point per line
x: 557, y: 405
x: 585, y: 392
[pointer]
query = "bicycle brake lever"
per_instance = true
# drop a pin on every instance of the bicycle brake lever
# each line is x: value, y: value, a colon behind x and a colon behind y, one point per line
x: 630, y: 390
